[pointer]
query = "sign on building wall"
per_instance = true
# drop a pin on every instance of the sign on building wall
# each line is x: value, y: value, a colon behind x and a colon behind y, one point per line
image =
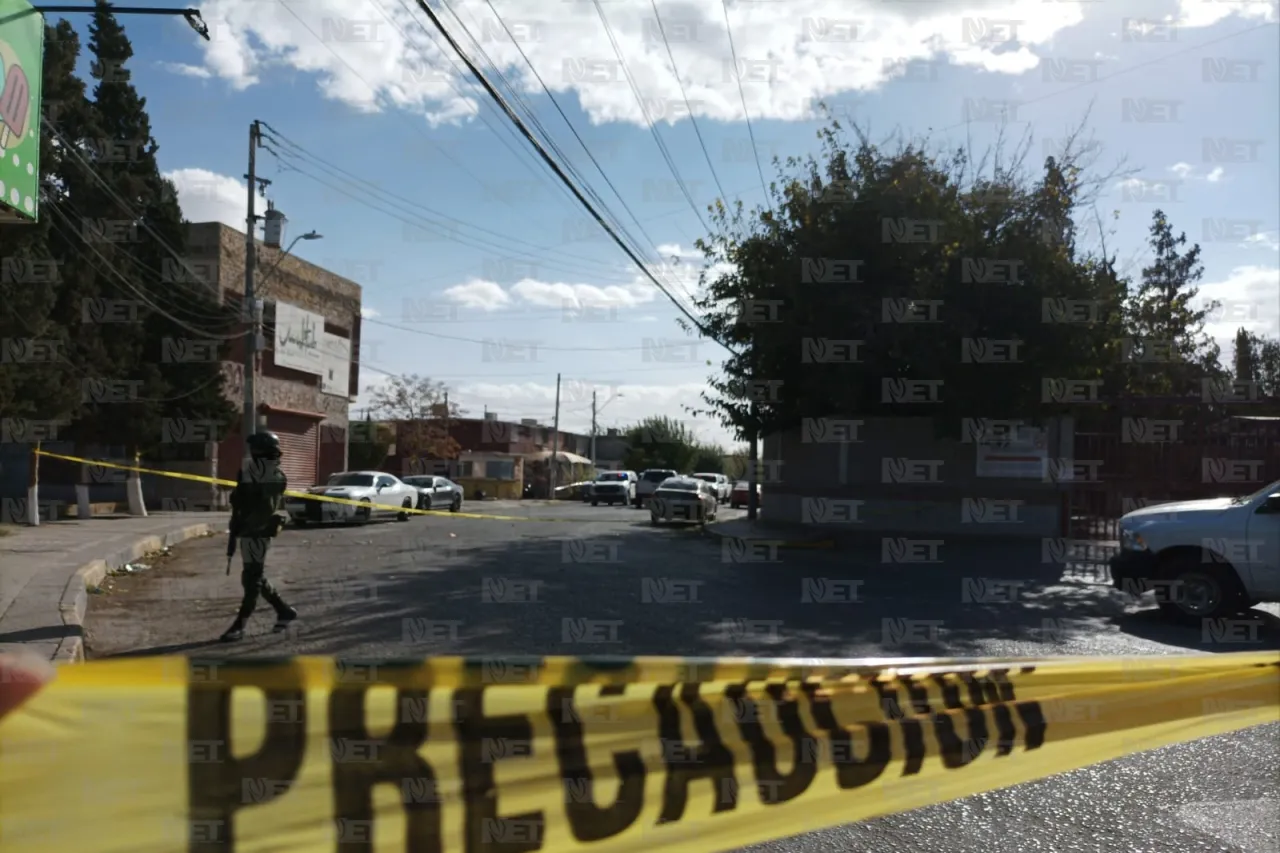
x: 299, y: 336
x: 21, y: 61
x: 336, y: 378
x: 1022, y: 458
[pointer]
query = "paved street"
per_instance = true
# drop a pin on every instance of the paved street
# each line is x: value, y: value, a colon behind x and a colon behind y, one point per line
x: 605, y: 582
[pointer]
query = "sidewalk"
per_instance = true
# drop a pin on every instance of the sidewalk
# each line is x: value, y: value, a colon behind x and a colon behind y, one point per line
x: 47, y: 569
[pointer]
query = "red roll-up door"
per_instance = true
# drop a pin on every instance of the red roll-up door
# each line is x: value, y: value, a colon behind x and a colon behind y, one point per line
x: 299, y: 446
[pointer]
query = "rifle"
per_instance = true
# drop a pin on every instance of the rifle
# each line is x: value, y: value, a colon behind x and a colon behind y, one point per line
x: 231, y: 545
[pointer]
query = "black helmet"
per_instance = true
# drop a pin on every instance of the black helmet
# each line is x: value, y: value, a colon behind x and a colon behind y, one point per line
x: 264, y: 445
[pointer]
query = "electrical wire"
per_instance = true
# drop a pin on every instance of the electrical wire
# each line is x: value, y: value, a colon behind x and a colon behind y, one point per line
x: 737, y: 75
x: 374, y: 91
x: 653, y: 127
x: 586, y: 149
x: 300, y: 152
x: 490, y: 341
x: 675, y: 72
x: 291, y: 163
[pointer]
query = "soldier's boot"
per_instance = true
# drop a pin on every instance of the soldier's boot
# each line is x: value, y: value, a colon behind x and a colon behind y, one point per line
x: 284, y: 613
x: 234, y: 633
x: 251, y: 579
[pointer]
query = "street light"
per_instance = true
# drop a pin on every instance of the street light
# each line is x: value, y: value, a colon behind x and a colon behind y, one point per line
x: 192, y: 16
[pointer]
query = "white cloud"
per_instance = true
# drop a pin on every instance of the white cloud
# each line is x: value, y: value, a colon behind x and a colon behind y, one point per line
x: 185, y: 70
x: 790, y: 54
x: 1264, y: 240
x: 677, y: 274
x: 369, y: 313
x: 206, y: 196
x: 1188, y: 172
x: 1182, y: 170
x: 1250, y: 298
x: 483, y: 295
x: 1199, y: 13
x: 1216, y: 175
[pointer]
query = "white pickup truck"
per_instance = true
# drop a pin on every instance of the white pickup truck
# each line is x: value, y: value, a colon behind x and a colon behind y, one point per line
x: 1203, y: 559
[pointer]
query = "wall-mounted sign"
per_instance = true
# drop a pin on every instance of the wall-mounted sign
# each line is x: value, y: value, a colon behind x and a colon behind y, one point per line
x: 1021, y: 458
x: 21, y: 61
x: 336, y: 378
x: 298, y: 339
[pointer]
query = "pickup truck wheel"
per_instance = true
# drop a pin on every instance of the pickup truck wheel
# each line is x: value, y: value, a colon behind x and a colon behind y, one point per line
x: 595, y: 503
x: 1200, y: 591
x: 404, y: 516
x: 365, y: 512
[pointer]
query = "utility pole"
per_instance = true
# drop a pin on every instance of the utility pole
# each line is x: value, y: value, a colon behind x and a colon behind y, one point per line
x: 448, y: 465
x: 555, y: 440
x: 753, y: 468
x: 252, y: 314
x: 593, y: 431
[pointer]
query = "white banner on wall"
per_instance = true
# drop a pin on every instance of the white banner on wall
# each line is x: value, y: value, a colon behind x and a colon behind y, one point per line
x: 1021, y: 458
x: 336, y: 378
x: 298, y: 339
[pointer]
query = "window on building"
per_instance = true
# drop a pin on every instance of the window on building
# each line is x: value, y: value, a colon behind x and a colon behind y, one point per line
x: 464, y: 469
x: 500, y: 469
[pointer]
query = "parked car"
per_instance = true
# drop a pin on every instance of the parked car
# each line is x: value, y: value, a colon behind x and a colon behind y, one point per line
x: 379, y: 495
x: 649, y: 481
x: 741, y: 494
x: 720, y: 483
x: 436, y: 492
x: 686, y: 499
x: 612, y: 487
x: 1204, y: 559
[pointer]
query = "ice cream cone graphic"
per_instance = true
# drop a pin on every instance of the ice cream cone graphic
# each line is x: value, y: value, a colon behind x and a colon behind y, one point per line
x: 15, y: 98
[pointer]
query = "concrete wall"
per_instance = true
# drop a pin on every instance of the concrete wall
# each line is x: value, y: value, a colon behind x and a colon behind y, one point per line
x: 819, y: 483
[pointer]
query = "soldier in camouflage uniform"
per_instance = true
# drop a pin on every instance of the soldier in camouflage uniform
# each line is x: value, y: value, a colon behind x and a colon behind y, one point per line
x: 256, y: 519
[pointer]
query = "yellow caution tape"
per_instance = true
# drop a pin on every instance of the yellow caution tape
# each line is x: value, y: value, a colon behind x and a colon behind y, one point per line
x: 310, y: 497
x: 566, y: 754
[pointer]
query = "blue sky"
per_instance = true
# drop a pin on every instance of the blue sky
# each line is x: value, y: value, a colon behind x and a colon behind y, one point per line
x: 1183, y: 96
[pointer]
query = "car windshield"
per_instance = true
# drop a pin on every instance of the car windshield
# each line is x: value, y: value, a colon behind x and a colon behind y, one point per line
x: 656, y: 476
x: 709, y: 478
x: 351, y: 480
x: 418, y: 481
x: 606, y: 478
x: 679, y: 486
x: 1269, y: 489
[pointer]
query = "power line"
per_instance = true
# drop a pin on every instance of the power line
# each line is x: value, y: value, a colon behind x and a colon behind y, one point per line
x: 675, y: 72
x: 653, y: 128
x: 746, y: 115
x: 560, y: 173
x: 490, y: 341
x: 555, y: 102
x: 302, y: 153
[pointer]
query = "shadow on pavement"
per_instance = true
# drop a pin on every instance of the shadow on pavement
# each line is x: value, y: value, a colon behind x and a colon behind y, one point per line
x: 633, y: 590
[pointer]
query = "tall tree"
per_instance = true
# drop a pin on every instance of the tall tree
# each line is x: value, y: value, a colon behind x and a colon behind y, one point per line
x: 417, y: 406
x: 171, y: 390
x: 1245, y: 361
x: 1168, y: 348
x: 905, y: 282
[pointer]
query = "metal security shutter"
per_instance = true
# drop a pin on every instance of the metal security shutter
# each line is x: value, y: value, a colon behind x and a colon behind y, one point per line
x: 298, y: 445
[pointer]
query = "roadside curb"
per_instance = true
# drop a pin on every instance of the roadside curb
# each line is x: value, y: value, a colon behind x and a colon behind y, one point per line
x: 75, y: 597
x: 781, y: 541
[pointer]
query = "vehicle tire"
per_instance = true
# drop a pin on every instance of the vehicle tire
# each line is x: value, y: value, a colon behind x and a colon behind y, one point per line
x: 597, y: 503
x: 653, y: 520
x: 364, y: 513
x: 425, y: 503
x: 456, y: 506
x: 405, y: 516
x: 636, y: 501
x: 1206, y: 590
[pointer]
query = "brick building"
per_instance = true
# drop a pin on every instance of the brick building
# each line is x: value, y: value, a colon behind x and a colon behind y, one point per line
x: 305, y: 400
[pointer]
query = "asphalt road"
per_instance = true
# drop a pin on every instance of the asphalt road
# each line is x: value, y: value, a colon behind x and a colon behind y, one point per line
x: 605, y: 582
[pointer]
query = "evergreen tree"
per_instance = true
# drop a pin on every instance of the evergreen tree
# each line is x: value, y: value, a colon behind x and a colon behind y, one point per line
x: 1246, y: 357
x: 173, y: 360
x: 1168, y: 348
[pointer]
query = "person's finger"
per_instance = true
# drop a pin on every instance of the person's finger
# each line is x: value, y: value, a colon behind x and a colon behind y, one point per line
x: 21, y: 675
